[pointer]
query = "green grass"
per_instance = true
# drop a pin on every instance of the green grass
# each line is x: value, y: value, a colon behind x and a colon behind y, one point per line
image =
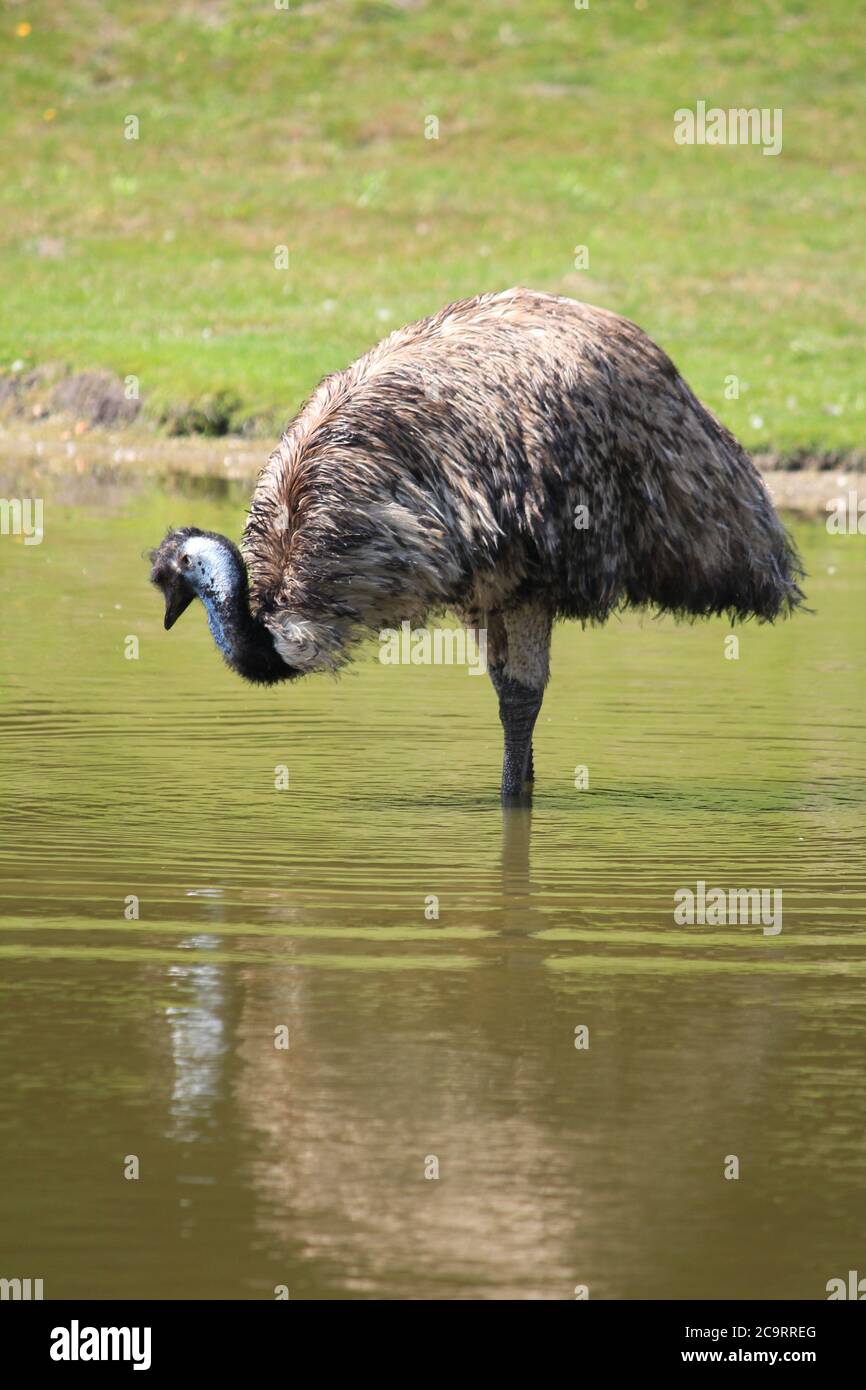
x: 305, y: 128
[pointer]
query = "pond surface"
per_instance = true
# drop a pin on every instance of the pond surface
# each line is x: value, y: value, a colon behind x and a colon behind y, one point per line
x: 417, y: 1042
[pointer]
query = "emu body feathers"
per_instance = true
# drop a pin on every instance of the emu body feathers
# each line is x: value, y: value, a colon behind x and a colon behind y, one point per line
x: 444, y: 469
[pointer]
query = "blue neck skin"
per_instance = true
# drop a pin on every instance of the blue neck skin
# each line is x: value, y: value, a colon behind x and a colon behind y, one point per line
x: 244, y: 641
x: 216, y: 621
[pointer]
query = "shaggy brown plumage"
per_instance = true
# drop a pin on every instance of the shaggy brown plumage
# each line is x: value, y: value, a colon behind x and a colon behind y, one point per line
x: 444, y: 469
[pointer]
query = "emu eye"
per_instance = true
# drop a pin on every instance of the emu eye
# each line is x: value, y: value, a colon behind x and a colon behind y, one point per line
x: 185, y: 562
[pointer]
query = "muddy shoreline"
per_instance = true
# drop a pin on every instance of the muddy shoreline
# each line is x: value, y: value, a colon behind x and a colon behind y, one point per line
x: 79, y: 461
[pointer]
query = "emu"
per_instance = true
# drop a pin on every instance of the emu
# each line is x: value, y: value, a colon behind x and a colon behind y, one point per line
x: 516, y: 458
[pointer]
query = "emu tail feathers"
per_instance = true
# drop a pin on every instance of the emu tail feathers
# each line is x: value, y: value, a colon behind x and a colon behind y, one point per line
x: 715, y: 544
x: 745, y: 567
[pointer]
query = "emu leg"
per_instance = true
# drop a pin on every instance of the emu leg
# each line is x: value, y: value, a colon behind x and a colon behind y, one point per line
x: 497, y: 676
x: 518, y: 710
x: 519, y: 671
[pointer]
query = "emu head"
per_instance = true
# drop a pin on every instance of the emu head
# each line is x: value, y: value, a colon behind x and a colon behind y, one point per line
x: 190, y: 564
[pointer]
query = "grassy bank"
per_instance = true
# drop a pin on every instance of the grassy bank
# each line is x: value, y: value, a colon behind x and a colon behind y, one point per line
x: 262, y: 128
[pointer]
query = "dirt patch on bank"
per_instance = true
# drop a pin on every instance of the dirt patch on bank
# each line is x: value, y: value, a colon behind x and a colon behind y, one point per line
x: 88, y: 399
x: 100, y: 400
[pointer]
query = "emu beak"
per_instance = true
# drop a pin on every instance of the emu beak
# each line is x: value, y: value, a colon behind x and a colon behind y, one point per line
x: 178, y: 597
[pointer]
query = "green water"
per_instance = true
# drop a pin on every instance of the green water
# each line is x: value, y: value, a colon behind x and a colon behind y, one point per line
x: 409, y: 1036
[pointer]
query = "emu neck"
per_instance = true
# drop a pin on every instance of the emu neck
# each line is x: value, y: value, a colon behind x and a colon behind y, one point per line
x: 243, y: 639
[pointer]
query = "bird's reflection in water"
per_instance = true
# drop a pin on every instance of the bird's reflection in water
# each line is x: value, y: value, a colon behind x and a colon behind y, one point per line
x: 198, y: 1043
x: 518, y: 913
